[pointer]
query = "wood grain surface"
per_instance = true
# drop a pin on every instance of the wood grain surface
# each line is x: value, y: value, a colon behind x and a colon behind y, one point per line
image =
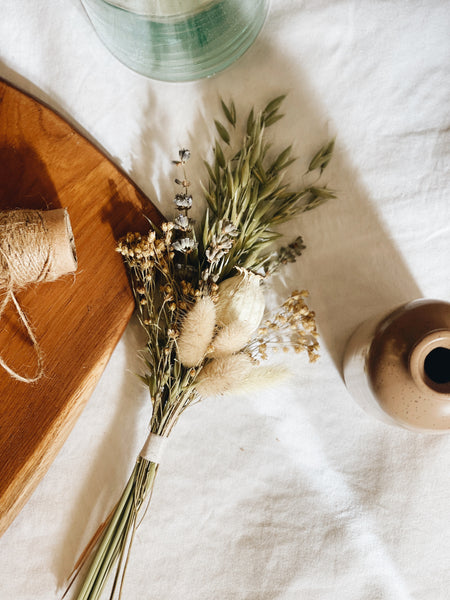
x: 78, y: 320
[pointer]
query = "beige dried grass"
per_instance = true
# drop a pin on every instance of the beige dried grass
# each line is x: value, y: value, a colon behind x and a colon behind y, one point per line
x: 197, y: 332
x: 262, y: 378
x: 223, y: 375
x: 231, y: 339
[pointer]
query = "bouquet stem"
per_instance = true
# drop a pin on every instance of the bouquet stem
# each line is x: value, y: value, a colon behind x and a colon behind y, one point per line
x: 117, y: 537
x: 199, y: 301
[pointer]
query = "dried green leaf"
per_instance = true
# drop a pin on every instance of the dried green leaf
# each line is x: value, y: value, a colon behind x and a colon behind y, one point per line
x: 314, y: 202
x: 282, y: 160
x: 273, y: 119
x: 329, y: 149
x: 274, y: 105
x: 259, y: 173
x: 210, y: 172
x: 230, y: 184
x: 217, y: 172
x: 288, y: 163
x: 229, y: 112
x: 255, y: 153
x: 250, y: 122
x: 211, y: 200
x: 245, y: 173
x: 321, y: 159
x: 322, y: 192
x: 269, y: 188
x: 222, y: 132
x: 205, y: 229
x: 316, y: 160
x: 220, y: 157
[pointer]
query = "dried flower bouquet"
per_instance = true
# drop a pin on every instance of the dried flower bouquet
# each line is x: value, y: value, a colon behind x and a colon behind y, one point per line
x: 199, y: 297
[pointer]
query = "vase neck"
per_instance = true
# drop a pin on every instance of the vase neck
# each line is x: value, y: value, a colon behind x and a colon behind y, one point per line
x: 429, y: 363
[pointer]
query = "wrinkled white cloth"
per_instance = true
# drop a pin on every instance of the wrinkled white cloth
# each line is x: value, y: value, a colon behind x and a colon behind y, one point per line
x: 294, y: 493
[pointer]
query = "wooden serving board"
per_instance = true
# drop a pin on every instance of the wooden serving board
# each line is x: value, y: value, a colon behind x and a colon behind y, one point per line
x: 44, y: 164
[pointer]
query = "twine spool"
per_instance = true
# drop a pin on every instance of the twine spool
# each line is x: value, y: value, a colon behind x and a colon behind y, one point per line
x: 35, y: 246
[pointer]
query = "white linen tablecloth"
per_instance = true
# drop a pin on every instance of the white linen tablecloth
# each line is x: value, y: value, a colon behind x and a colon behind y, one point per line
x: 295, y: 493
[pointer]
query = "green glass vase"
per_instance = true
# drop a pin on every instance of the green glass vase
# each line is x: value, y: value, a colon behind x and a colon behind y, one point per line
x: 177, y: 40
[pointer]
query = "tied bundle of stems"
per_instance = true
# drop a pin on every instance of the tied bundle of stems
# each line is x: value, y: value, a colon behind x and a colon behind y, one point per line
x: 199, y: 299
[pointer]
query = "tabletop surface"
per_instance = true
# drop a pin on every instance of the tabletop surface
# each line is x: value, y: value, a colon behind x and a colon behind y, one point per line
x: 296, y: 492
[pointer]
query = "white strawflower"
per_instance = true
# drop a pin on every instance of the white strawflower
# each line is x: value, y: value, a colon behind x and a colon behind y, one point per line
x: 240, y: 299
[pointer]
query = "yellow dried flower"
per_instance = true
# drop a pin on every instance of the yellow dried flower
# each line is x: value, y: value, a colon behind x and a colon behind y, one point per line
x: 167, y: 226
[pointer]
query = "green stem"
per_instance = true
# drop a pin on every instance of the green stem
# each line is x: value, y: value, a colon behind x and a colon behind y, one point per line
x: 114, y: 539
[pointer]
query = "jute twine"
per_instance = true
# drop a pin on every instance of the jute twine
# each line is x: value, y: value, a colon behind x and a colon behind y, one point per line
x: 35, y: 246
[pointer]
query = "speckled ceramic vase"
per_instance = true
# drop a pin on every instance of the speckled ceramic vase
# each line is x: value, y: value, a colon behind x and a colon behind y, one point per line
x: 397, y: 367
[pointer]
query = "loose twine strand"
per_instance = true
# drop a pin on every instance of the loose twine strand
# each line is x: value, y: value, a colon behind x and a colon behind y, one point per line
x: 29, y: 253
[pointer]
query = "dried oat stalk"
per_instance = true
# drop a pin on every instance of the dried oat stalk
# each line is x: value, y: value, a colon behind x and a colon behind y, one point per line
x: 247, y: 188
